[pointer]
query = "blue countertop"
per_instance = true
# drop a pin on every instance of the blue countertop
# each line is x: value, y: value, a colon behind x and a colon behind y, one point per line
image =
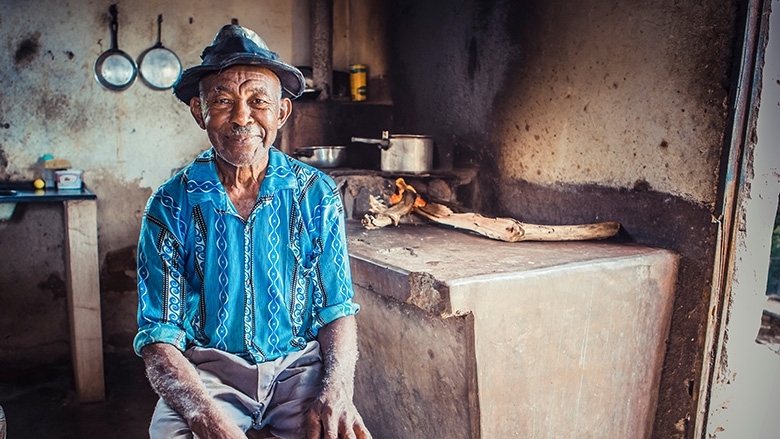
x: 24, y: 192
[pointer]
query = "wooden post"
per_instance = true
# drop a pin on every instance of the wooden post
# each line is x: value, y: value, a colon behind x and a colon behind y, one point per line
x: 81, y: 266
x: 322, y: 47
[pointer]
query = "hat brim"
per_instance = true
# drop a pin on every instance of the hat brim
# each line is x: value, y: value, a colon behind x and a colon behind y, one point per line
x: 291, y: 79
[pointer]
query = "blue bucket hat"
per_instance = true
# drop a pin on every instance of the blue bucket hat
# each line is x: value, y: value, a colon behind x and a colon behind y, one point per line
x: 236, y: 45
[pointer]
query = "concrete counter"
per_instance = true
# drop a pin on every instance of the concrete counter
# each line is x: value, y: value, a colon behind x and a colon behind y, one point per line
x: 465, y: 337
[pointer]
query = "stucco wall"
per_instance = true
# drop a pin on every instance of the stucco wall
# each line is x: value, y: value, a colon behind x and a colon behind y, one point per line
x: 616, y: 93
x: 583, y: 111
x: 126, y: 142
x: 596, y: 92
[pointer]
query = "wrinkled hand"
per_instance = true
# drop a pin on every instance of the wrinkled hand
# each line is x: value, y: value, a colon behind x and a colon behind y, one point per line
x: 333, y: 415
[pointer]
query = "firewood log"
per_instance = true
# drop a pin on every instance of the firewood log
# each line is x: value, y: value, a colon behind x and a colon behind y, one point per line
x: 383, y: 216
x: 511, y: 230
x: 407, y: 200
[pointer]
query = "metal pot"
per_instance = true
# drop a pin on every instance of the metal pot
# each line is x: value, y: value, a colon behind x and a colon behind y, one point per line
x: 322, y: 156
x: 406, y: 153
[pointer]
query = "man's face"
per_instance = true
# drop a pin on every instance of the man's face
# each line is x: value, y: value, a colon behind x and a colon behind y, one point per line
x: 241, y: 110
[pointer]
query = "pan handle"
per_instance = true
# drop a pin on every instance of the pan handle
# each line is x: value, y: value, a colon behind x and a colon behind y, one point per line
x: 382, y: 143
x: 120, y: 70
x: 114, y: 27
x: 303, y: 153
x: 159, y: 31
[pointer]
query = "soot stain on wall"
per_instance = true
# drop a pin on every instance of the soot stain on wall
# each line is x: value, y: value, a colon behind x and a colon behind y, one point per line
x: 55, y: 284
x: 3, y: 164
x: 118, y: 270
x: 473, y: 64
x: 62, y: 112
x: 54, y: 106
x: 27, y: 49
x: 118, y: 298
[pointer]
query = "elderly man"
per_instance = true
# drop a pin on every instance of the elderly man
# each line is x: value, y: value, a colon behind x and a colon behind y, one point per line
x: 245, y: 314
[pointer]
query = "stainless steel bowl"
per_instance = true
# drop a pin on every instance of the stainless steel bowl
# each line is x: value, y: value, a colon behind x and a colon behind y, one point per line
x: 322, y: 156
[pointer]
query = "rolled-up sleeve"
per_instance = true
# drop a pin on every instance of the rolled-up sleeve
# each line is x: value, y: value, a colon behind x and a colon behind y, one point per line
x: 161, y: 285
x: 333, y: 290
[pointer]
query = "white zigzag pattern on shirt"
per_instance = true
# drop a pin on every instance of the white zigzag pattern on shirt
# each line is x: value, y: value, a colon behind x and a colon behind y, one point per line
x: 222, y: 262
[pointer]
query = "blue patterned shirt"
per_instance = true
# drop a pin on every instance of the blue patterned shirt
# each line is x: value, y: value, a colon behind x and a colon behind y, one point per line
x: 259, y: 288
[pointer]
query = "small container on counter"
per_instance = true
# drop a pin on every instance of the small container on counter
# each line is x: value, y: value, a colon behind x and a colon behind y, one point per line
x: 357, y: 82
x: 50, y: 167
x: 47, y: 174
x: 49, y: 178
x: 69, y: 178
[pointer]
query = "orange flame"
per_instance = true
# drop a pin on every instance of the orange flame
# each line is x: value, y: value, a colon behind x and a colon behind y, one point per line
x: 402, y: 187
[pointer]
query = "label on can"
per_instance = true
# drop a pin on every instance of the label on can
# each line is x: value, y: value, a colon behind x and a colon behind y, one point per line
x: 357, y: 81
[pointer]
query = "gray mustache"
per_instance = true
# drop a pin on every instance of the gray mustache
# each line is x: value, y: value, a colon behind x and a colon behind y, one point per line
x: 239, y: 130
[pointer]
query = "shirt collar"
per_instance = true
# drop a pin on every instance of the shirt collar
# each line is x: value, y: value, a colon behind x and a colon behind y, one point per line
x: 203, y: 182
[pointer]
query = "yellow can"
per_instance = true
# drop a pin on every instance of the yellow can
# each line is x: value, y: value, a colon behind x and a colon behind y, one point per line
x: 357, y: 81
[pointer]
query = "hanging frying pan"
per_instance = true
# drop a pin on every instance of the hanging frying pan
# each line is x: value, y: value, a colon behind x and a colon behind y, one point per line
x: 114, y: 69
x: 159, y: 67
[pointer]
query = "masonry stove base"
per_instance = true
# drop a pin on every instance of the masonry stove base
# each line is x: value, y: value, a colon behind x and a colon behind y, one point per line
x: 465, y: 337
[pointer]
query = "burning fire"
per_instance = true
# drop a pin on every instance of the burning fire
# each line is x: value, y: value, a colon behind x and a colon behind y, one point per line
x: 402, y: 187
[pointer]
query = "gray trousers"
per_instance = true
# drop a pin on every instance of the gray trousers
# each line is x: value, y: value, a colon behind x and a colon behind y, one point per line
x: 274, y: 394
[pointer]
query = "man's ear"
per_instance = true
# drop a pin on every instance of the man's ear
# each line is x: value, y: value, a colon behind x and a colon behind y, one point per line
x: 285, y: 109
x: 197, y: 112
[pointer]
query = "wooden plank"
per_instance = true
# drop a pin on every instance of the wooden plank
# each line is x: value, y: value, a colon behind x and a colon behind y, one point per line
x: 81, y: 266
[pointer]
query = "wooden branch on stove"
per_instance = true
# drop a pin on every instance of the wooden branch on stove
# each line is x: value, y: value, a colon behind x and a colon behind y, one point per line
x: 504, y: 229
x: 511, y: 230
